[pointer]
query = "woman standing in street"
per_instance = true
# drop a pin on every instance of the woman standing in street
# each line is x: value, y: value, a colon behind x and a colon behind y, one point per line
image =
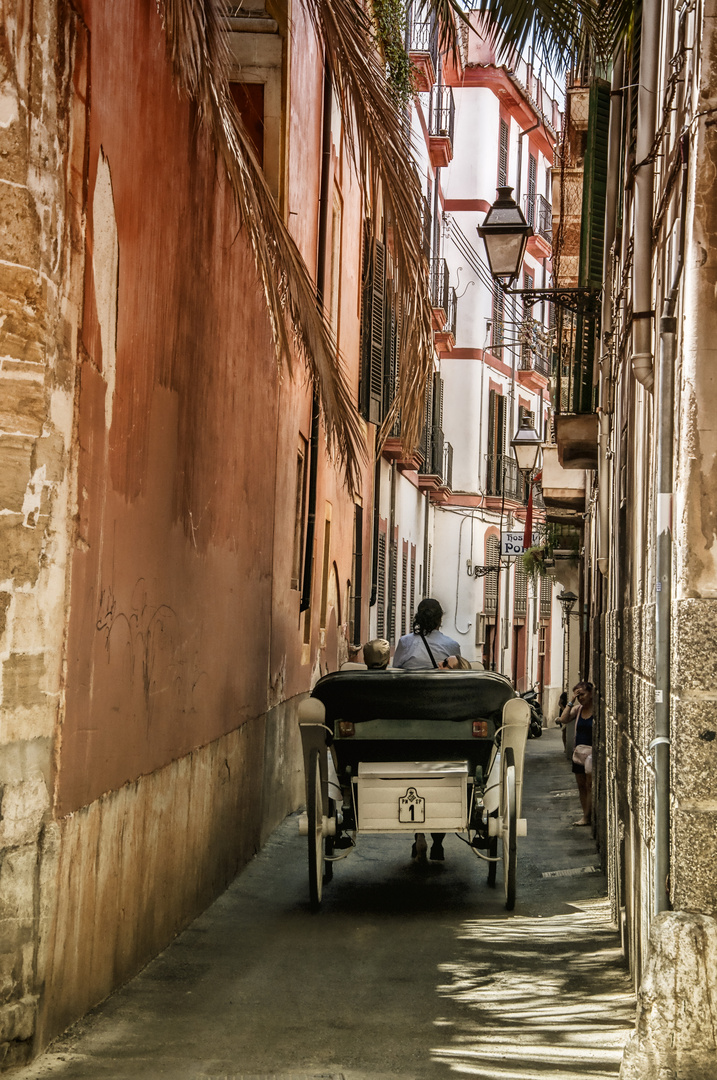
x: 584, y: 737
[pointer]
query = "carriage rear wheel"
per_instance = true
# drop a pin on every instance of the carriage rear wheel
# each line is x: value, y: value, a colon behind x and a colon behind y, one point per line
x: 509, y: 831
x: 315, y: 813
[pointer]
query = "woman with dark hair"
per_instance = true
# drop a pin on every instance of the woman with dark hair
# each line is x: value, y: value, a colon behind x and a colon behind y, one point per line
x: 426, y: 647
x: 584, y: 737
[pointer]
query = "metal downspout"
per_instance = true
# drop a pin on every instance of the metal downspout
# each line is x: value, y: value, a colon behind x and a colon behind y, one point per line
x: 320, y: 284
x: 660, y: 746
x: 642, y: 360
x: 613, y: 169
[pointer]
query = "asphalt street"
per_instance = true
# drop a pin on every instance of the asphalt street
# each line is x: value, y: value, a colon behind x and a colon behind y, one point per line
x: 409, y: 972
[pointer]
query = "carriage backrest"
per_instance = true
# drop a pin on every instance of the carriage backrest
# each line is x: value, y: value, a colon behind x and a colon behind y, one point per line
x: 395, y: 694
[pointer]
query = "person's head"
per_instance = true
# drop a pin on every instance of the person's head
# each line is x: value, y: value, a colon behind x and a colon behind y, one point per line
x: 377, y: 653
x: 429, y: 614
x: 563, y: 700
x: 583, y: 692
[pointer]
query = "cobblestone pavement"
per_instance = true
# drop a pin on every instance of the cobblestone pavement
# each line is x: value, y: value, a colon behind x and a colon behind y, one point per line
x: 407, y: 973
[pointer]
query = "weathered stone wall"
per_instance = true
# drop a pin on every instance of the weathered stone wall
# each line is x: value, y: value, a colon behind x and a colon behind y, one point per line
x: 628, y: 704
x: 210, y: 811
x: 42, y: 139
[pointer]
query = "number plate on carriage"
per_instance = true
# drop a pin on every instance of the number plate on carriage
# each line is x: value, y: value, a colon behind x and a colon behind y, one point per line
x: 411, y: 807
x: 396, y: 796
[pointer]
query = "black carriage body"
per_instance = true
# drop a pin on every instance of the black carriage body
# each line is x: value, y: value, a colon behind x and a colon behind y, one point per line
x: 413, y: 715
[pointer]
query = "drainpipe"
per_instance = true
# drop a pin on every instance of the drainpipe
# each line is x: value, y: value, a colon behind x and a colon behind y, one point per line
x: 613, y: 169
x: 642, y: 361
x: 320, y: 284
x: 663, y: 613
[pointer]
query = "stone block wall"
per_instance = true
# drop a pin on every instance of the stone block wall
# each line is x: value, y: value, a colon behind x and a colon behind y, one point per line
x: 41, y: 146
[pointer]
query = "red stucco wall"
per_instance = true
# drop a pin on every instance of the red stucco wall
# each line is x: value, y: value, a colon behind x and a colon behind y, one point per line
x: 183, y: 624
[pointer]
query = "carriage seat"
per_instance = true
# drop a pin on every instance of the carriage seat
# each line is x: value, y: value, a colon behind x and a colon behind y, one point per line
x: 395, y: 694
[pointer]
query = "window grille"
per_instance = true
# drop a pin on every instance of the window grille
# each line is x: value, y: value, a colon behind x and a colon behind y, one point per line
x: 404, y: 592
x: 413, y: 588
x: 392, y: 568
x: 381, y: 587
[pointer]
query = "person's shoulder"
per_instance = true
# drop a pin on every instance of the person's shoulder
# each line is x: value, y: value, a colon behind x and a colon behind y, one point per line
x: 449, y: 643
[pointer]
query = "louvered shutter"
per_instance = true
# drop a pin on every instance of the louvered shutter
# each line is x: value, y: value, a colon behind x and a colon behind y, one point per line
x: 437, y: 435
x: 490, y: 581
x: 381, y: 590
x: 503, y: 154
x: 373, y: 330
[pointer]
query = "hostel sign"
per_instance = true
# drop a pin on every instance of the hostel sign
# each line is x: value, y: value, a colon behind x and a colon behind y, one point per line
x: 511, y: 543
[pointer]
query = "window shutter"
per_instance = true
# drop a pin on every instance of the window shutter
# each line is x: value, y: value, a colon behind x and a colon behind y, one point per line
x: 490, y: 581
x: 381, y: 597
x: 595, y: 186
x: 503, y: 154
x: 546, y: 597
x: 521, y: 591
x: 427, y: 441
x: 373, y: 330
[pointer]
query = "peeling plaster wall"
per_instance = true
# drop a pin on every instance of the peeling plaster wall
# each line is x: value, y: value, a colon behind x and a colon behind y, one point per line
x: 43, y: 75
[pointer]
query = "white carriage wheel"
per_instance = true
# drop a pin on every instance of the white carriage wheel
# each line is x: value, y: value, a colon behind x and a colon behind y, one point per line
x: 315, y: 813
x: 509, y: 831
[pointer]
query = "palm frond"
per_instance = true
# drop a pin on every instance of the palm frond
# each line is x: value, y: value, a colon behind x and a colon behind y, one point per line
x: 379, y: 145
x: 199, y: 54
x: 559, y: 29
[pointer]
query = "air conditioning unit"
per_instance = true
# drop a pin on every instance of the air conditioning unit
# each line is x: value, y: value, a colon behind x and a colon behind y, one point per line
x: 480, y: 629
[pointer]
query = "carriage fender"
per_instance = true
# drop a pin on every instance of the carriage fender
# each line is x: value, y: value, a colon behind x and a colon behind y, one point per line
x: 516, y: 722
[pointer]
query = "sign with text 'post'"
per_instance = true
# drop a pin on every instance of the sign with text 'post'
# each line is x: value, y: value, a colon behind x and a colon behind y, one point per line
x: 511, y: 543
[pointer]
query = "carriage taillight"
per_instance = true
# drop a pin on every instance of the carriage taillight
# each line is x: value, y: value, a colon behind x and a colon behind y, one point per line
x: 480, y: 729
x: 346, y: 729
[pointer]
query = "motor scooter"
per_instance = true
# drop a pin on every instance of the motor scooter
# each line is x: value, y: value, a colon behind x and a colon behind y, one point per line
x: 536, y: 713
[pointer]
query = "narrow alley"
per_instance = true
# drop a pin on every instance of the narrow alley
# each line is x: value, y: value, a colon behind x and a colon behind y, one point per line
x: 408, y: 972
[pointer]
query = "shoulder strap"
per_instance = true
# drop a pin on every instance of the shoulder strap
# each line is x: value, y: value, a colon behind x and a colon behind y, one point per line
x: 428, y: 648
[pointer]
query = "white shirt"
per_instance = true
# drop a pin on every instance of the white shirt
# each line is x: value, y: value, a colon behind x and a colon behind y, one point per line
x: 412, y: 655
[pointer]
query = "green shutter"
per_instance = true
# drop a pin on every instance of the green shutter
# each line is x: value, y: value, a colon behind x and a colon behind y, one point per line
x: 594, y: 186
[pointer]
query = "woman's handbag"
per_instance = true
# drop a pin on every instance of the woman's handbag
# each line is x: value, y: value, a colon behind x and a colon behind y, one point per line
x: 583, y: 755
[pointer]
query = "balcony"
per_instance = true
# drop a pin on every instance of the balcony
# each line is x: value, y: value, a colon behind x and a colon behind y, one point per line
x: 504, y: 478
x: 423, y: 53
x: 563, y: 489
x: 441, y: 124
x: 440, y: 292
x: 535, y: 366
x: 539, y: 214
x: 576, y: 424
x: 445, y: 338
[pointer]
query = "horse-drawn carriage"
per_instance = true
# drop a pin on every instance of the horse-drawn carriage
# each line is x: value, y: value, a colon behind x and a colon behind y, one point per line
x: 399, y: 751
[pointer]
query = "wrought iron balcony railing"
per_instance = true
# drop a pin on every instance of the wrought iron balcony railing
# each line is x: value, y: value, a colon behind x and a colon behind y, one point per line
x: 539, y: 214
x: 536, y: 348
x: 442, y: 112
x: 448, y: 465
x: 440, y: 284
x: 505, y: 479
x: 423, y: 38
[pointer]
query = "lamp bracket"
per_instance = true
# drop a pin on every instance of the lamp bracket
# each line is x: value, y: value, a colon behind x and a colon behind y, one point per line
x: 582, y: 301
x: 482, y: 571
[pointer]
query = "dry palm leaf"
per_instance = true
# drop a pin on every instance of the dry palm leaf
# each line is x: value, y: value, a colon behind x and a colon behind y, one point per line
x: 380, y: 147
x: 198, y: 50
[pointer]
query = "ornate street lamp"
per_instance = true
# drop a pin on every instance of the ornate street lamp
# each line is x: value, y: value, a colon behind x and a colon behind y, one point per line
x: 505, y: 233
x: 526, y: 444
